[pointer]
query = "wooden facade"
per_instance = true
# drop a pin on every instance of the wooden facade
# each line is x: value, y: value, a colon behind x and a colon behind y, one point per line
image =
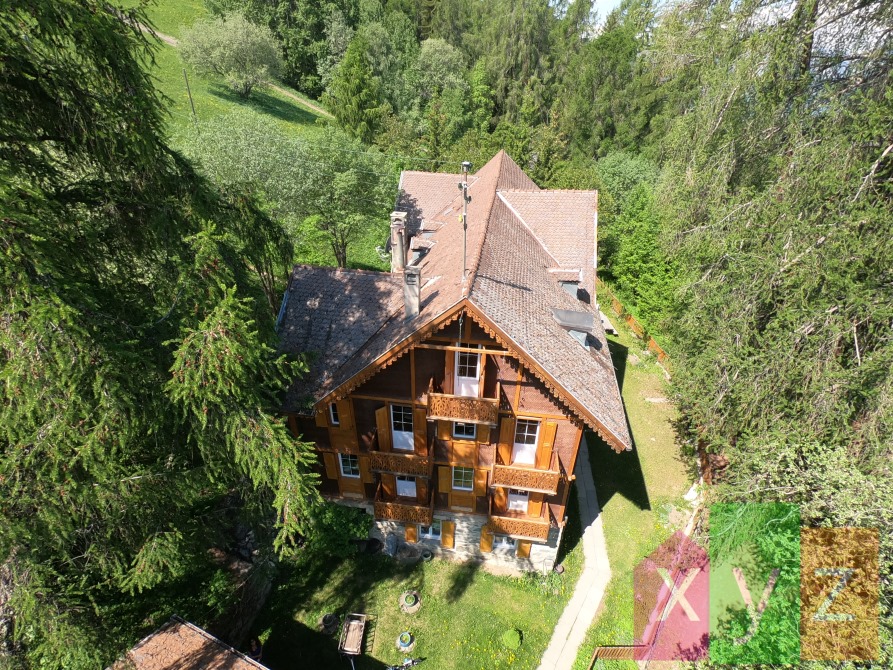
x: 456, y: 424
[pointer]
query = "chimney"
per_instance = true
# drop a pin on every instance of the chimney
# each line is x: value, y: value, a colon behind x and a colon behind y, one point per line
x: 398, y: 241
x: 412, y: 290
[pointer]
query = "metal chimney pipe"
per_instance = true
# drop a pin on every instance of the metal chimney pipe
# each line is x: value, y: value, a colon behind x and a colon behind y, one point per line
x: 412, y: 291
x: 398, y: 241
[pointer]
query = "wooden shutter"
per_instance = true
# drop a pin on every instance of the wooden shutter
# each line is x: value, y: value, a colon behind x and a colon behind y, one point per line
x: 420, y: 430
x: 486, y: 540
x: 383, y: 428
x: 506, y: 440
x: 523, y: 550
x: 444, y: 430
x: 331, y: 463
x: 389, y: 485
x: 483, y: 434
x: 322, y: 418
x: 412, y: 532
x: 421, y: 490
x: 480, y: 482
x: 500, y: 500
x: 544, y: 448
x: 449, y: 372
x: 365, y: 470
x: 448, y: 534
x: 345, y: 414
x: 444, y: 479
x: 535, y: 504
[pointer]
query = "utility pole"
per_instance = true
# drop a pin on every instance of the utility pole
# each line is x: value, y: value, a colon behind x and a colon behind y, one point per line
x: 463, y: 186
x: 189, y: 93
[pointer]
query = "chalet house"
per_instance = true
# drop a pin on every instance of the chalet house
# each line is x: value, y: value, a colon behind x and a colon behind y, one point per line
x: 448, y: 397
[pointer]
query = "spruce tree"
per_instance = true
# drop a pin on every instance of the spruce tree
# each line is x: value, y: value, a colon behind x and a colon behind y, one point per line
x: 353, y: 94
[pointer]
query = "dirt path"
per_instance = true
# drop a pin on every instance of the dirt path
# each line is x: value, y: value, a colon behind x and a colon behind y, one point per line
x: 174, y: 42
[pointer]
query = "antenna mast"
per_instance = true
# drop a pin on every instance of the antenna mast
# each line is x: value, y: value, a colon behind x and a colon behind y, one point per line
x: 463, y: 185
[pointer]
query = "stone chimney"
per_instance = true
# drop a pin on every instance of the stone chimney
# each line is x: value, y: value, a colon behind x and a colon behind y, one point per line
x: 412, y: 291
x: 398, y: 241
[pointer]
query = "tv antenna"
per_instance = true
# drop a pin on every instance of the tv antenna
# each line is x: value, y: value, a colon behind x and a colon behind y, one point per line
x: 463, y: 186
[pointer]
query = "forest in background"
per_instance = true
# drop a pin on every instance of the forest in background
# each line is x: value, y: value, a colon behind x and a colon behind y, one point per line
x: 743, y: 155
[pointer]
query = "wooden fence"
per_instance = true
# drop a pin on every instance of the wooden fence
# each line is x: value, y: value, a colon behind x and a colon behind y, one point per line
x: 638, y: 329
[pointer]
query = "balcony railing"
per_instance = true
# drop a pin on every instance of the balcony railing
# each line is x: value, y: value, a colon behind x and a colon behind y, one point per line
x: 403, y: 511
x: 444, y: 407
x: 401, y: 464
x: 523, y: 528
x: 527, y: 479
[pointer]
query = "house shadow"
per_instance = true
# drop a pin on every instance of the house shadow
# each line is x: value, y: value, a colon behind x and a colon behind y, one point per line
x: 617, y: 473
x: 619, y: 354
x: 321, y: 585
x: 461, y: 580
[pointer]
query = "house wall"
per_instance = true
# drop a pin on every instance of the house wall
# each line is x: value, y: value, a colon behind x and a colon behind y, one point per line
x: 406, y: 382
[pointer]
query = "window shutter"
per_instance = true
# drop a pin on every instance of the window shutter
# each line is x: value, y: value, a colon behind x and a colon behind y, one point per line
x: 535, y: 504
x: 345, y: 414
x: 486, y: 540
x: 544, y: 448
x: 523, y: 549
x: 500, y: 500
x: 483, y: 435
x: 506, y: 440
x: 444, y: 429
x: 449, y: 372
x: 412, y: 532
x: 331, y: 463
x: 322, y: 421
x: 480, y: 482
x: 420, y: 430
x: 465, y: 453
x: 389, y: 485
x: 383, y: 428
x: 448, y: 534
x: 365, y: 470
x: 421, y: 490
x: 444, y: 479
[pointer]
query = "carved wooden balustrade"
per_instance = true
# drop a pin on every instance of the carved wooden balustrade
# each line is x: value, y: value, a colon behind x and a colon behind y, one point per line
x: 404, y: 512
x: 527, y: 479
x: 463, y: 408
x: 401, y: 464
x: 520, y: 527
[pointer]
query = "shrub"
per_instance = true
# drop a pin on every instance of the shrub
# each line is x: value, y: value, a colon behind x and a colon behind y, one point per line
x: 511, y: 638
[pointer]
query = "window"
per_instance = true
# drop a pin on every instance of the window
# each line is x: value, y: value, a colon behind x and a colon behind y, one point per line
x: 431, y: 532
x: 463, y: 479
x: 350, y: 465
x: 333, y: 414
x: 406, y: 487
x: 526, y: 433
x: 467, y: 372
x: 503, y: 543
x: 401, y: 424
x: 518, y: 501
x: 464, y: 431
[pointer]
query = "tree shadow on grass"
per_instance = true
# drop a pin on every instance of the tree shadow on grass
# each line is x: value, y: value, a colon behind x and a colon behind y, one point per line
x: 263, y: 101
x: 313, y: 585
x: 617, y: 473
x: 461, y: 579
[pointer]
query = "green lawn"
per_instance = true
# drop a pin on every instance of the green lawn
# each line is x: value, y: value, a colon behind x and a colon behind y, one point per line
x: 464, y: 612
x: 640, y: 492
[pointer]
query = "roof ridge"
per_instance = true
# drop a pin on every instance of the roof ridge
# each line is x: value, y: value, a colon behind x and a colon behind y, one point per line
x: 473, y: 268
x: 529, y: 229
x: 549, y: 190
x: 331, y: 270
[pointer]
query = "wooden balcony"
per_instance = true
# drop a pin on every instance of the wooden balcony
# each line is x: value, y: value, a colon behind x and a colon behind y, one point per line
x: 520, y: 526
x: 402, y: 464
x: 527, y: 478
x: 444, y: 407
x: 403, y: 510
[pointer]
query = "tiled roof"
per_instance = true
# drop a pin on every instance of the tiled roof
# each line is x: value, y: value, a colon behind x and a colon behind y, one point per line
x: 516, y: 235
x: 179, y: 645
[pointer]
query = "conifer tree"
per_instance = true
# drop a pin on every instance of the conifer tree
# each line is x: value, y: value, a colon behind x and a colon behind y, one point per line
x: 353, y: 94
